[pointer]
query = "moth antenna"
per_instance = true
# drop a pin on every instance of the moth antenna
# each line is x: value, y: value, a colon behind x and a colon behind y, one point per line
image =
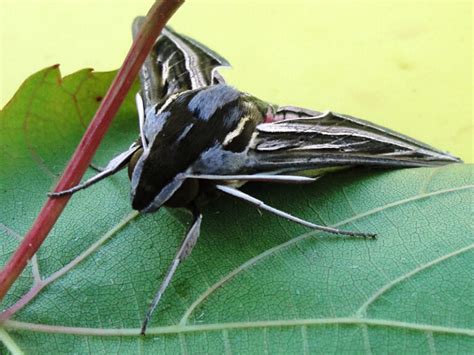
x: 260, y: 204
x: 184, y: 251
x: 141, y: 119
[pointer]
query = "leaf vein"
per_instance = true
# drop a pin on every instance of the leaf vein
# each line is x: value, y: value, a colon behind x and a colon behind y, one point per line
x: 249, y: 263
x: 34, y: 260
x: 361, y: 312
x: 213, y: 327
x: 38, y: 286
x: 9, y: 343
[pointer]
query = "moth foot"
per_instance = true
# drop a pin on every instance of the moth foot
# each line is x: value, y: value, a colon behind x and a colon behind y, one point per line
x: 59, y: 193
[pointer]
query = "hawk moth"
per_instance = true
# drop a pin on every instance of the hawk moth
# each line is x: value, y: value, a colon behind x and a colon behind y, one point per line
x: 200, y: 137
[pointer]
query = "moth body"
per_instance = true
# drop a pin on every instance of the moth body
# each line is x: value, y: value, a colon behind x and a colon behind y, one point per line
x: 200, y: 137
x: 199, y: 131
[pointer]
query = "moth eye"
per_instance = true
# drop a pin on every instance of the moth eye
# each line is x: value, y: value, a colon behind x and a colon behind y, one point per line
x: 133, y: 162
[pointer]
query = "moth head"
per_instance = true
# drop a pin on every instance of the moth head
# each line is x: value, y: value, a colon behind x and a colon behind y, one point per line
x: 144, y: 170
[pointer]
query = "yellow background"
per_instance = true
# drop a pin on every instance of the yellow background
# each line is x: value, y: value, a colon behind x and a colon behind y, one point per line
x: 403, y: 64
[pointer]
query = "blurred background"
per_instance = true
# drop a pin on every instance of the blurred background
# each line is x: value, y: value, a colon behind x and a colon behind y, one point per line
x: 403, y: 64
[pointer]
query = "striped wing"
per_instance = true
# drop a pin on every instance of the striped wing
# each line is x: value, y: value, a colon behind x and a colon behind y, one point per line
x: 300, y: 140
x: 177, y: 63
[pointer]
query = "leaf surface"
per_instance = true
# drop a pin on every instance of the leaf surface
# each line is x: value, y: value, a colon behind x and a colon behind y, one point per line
x: 254, y: 283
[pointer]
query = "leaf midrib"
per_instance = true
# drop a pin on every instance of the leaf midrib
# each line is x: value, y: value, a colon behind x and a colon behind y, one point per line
x: 197, y: 328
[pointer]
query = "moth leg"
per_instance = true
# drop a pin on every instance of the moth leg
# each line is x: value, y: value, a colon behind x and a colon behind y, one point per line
x: 260, y: 204
x: 112, y: 167
x: 184, y: 251
x: 141, y: 119
x: 97, y: 168
x: 288, y: 179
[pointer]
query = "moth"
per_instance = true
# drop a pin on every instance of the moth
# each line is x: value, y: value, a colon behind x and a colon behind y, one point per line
x: 200, y: 137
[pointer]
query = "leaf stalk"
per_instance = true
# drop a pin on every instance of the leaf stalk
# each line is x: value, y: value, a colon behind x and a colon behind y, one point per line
x: 156, y: 19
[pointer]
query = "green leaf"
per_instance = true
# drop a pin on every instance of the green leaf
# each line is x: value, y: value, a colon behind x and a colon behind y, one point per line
x: 254, y: 283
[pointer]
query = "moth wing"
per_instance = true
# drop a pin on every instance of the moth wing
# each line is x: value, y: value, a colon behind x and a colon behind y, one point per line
x: 299, y: 141
x: 305, y: 141
x: 175, y: 64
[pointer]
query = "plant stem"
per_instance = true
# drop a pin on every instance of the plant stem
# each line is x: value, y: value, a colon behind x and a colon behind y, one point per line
x: 158, y: 15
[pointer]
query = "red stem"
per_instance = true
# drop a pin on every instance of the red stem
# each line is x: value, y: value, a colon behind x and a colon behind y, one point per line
x: 159, y: 14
